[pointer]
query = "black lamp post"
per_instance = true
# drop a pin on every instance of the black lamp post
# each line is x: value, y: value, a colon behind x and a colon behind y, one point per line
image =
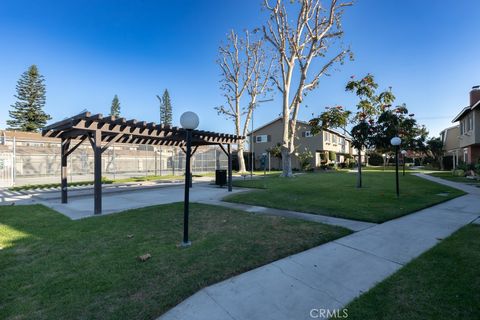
x: 189, y: 121
x: 404, y: 152
x: 396, y: 141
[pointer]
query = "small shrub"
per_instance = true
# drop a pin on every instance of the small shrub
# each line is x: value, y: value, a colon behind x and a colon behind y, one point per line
x: 305, y: 159
x: 375, y: 159
x: 332, y: 156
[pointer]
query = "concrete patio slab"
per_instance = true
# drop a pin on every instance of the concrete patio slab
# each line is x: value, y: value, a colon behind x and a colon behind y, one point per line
x: 82, y: 207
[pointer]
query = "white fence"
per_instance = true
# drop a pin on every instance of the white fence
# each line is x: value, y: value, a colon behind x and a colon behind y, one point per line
x: 6, y: 170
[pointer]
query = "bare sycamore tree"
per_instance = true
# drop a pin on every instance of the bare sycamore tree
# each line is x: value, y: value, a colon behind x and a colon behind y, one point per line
x: 299, y: 42
x: 245, y: 69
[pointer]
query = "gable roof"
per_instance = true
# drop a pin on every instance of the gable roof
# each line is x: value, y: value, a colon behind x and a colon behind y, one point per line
x: 462, y: 113
x: 346, y: 135
x: 450, y: 128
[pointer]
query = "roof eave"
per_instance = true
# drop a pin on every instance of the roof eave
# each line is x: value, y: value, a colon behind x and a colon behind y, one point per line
x: 461, y: 114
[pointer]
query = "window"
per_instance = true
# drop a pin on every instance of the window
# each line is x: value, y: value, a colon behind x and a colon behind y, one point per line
x: 334, y: 138
x: 470, y: 121
x: 307, y: 134
x: 327, y: 137
x: 461, y: 127
x: 262, y: 138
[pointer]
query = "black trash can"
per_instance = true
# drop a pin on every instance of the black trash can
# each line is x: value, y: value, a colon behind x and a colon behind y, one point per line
x: 220, y: 177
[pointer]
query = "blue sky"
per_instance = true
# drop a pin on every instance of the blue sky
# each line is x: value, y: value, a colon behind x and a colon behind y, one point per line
x: 90, y: 50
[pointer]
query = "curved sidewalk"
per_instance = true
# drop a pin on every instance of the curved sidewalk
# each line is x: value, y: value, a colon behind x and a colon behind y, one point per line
x: 331, y: 275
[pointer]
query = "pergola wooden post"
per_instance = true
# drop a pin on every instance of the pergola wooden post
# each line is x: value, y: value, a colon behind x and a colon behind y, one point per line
x: 108, y: 130
x: 63, y: 170
x: 97, y: 153
x: 229, y: 168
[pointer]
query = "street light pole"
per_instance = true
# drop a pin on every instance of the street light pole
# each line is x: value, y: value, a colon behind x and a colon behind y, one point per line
x: 396, y: 141
x: 404, y: 152
x: 189, y: 122
x: 186, y: 203
x: 396, y: 171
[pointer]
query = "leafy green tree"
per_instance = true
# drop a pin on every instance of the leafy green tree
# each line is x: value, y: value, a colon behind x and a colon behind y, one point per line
x: 276, y: 151
x: 435, y: 147
x: 396, y: 122
x: 165, y: 108
x: 399, y: 122
x: 115, y: 108
x: 27, y: 113
x: 370, y: 105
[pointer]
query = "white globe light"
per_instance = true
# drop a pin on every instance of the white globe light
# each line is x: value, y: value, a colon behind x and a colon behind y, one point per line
x: 396, y: 141
x: 404, y: 152
x: 189, y: 120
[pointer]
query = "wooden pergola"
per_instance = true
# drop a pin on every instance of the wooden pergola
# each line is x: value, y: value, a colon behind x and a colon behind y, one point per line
x: 102, y: 132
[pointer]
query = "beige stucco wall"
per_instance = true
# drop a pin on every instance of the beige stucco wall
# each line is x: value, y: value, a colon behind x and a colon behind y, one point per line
x: 452, y: 138
x: 314, y: 144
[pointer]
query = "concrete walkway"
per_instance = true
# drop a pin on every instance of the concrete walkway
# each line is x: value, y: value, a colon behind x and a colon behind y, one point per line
x: 333, y: 274
x: 353, y: 225
x: 457, y: 185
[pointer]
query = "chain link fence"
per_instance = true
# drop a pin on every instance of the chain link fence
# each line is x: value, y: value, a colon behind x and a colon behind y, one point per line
x: 36, y: 161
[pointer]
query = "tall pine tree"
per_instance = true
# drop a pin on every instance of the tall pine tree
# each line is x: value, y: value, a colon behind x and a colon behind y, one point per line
x: 27, y: 113
x: 115, y: 108
x: 165, y: 108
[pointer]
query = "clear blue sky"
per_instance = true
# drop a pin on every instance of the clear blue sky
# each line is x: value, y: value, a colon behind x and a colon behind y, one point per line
x: 90, y: 50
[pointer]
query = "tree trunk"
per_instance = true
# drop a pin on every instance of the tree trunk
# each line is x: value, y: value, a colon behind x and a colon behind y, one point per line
x: 359, y: 172
x: 286, y: 163
x: 241, y: 159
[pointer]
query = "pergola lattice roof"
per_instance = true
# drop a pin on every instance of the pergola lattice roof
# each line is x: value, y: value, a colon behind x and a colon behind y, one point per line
x: 120, y: 130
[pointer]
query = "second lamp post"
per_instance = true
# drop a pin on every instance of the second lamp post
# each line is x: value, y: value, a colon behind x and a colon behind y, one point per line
x: 396, y: 141
x: 404, y: 153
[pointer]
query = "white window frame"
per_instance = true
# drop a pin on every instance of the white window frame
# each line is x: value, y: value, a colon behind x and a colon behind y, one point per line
x: 327, y: 137
x: 263, y: 138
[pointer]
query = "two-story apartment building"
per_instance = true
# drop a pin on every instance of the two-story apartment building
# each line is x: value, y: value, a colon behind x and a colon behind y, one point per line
x: 270, y: 134
x: 469, y: 128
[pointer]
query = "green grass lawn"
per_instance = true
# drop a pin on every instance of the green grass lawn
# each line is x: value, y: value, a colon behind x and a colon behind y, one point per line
x: 55, y: 268
x: 104, y: 181
x: 448, y: 176
x: 443, y: 283
x: 56, y: 185
x: 149, y: 178
x: 335, y: 194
